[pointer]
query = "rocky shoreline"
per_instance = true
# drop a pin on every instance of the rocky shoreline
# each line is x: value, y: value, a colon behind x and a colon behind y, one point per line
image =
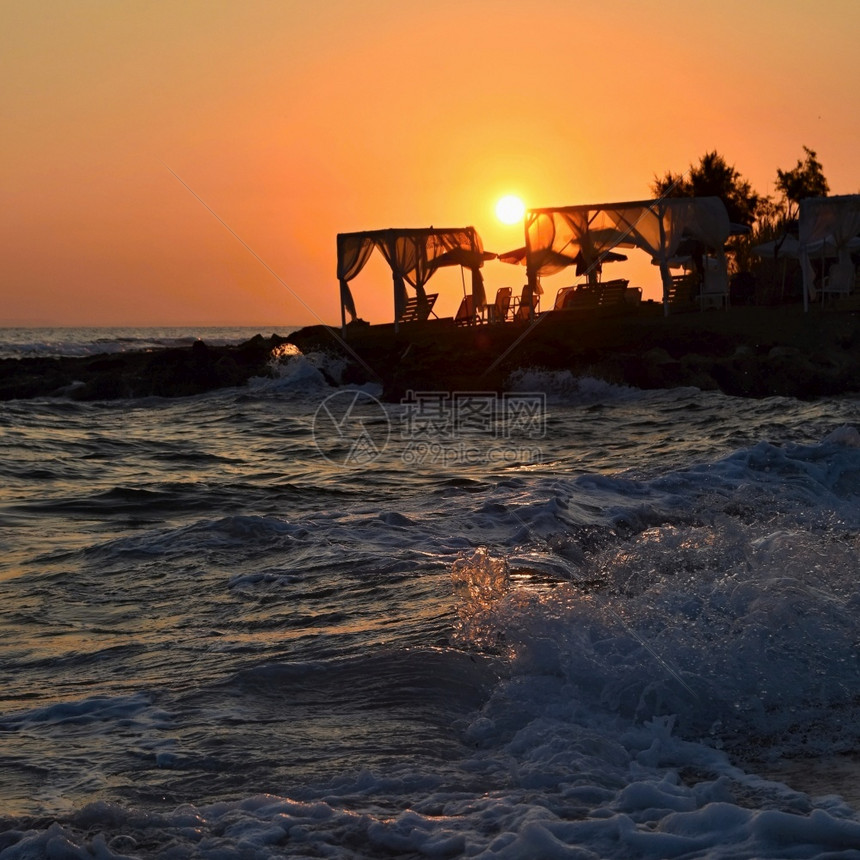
x: 168, y: 372
x: 746, y: 351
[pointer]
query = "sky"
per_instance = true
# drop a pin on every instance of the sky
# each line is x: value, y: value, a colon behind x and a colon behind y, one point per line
x: 191, y: 163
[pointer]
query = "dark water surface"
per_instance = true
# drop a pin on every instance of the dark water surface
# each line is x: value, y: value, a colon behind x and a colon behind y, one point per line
x: 602, y: 635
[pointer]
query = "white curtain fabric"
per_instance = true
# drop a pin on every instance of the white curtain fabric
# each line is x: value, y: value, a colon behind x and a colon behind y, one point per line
x: 479, y: 295
x: 401, y: 254
x: 564, y: 237
x: 353, y: 251
x: 826, y: 220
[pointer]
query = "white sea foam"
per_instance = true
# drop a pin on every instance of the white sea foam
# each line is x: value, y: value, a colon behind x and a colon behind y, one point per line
x: 313, y: 375
x: 618, y: 793
x: 563, y: 386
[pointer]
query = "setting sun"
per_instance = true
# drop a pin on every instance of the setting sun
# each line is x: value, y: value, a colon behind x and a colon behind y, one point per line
x: 510, y: 209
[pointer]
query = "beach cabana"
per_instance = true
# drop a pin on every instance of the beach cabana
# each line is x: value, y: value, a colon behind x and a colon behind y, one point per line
x: 832, y: 222
x: 577, y: 235
x: 414, y: 255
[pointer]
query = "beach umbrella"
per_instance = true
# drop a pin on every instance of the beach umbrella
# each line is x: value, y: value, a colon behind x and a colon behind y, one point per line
x: 583, y: 265
x: 676, y: 262
x: 518, y: 257
x: 462, y: 257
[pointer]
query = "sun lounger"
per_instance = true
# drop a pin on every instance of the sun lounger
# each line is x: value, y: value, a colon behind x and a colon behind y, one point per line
x: 681, y: 292
x: 839, y: 281
x: 498, y: 311
x: 588, y: 297
x: 466, y: 312
x: 525, y: 308
x: 417, y: 311
x: 715, y: 287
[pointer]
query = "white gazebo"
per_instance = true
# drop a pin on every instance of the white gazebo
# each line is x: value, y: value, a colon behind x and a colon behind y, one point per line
x: 414, y: 255
x: 564, y: 236
x: 828, y: 223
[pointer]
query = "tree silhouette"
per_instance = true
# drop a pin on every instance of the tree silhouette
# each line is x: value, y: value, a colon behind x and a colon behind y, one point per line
x: 671, y: 185
x: 806, y: 180
x: 713, y: 177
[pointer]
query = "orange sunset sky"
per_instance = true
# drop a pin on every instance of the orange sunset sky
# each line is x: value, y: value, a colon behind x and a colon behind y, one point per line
x: 294, y: 121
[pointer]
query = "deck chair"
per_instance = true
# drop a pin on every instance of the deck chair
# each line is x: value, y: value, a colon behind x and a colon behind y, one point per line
x: 613, y: 292
x: 417, y: 311
x: 681, y: 291
x: 578, y: 298
x: 715, y: 286
x: 466, y: 311
x: 839, y: 280
x: 563, y: 297
x: 526, y: 311
x: 502, y: 304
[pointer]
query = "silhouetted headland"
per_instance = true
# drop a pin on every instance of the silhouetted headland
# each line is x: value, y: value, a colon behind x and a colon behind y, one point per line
x: 742, y: 351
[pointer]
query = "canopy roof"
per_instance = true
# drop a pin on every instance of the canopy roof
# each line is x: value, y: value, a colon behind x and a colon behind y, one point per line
x: 827, y: 221
x: 564, y: 236
x: 789, y: 246
x: 825, y: 217
x: 414, y: 254
x: 518, y: 257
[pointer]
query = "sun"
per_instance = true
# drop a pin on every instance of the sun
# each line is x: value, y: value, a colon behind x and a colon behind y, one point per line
x: 510, y: 209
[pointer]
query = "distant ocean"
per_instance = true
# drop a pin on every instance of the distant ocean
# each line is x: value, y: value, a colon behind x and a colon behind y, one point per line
x: 45, y: 341
x: 287, y: 620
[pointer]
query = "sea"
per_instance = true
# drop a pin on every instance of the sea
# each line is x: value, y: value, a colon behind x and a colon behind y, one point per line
x: 288, y: 619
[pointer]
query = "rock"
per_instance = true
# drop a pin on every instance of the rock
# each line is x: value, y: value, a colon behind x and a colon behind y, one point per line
x: 163, y: 373
x: 749, y: 352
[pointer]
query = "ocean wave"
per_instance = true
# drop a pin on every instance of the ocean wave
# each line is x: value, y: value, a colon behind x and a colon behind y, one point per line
x: 639, y: 792
x: 743, y: 636
x: 562, y: 386
x: 84, y: 712
x: 262, y: 532
x: 238, y: 648
x: 313, y: 376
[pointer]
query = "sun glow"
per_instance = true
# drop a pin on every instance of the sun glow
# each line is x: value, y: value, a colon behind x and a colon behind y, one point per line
x: 510, y: 209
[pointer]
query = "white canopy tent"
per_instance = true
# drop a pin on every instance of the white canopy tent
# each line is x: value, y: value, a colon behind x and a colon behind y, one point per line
x: 414, y: 256
x: 558, y: 237
x: 789, y: 246
x: 827, y: 221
